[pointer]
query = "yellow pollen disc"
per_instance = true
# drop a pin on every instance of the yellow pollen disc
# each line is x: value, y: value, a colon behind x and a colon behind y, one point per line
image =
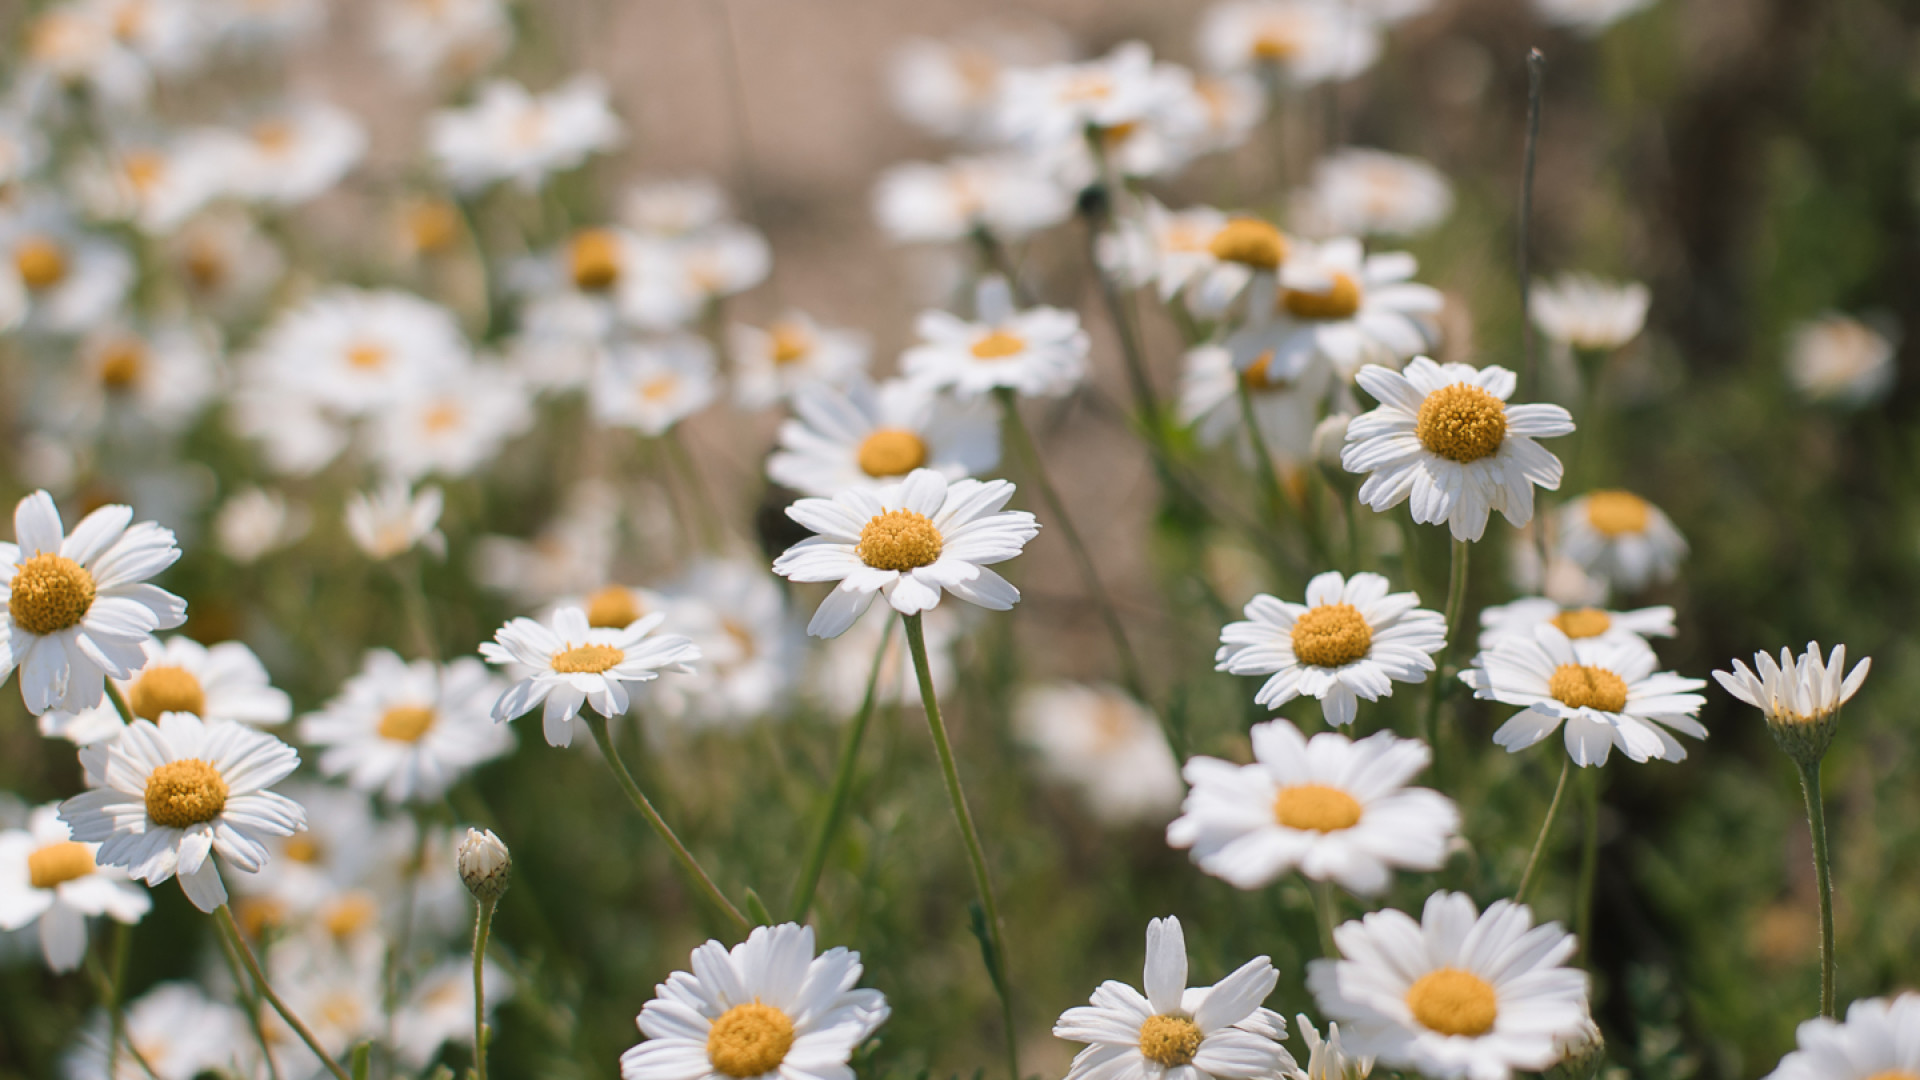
x: 367, y: 357
x: 1895, y: 1074
x: 41, y: 262
x: 273, y: 136
x: 432, y: 226
x: 406, y: 723
x: 998, y: 346
x: 892, y: 452
x: 352, y: 913
x: 1331, y: 636
x: 166, y: 689
x: 1338, y: 302
x: 658, y: 390
x: 1250, y: 241
x: 441, y: 418
x: 51, y: 593
x: 1118, y: 133
x: 1461, y: 423
x: 1316, y: 808
x: 1259, y: 375
x: 258, y: 914
x: 302, y: 848
x: 790, y: 343
x: 58, y: 863
x: 1276, y: 42
x: 121, y: 363
x: 1582, y: 686
x: 749, y: 1040
x: 184, y: 793
x: 1169, y: 1041
x: 143, y: 169
x: 1583, y: 622
x: 899, y: 540
x: 594, y: 258
x: 1453, y: 1002
x: 1617, y: 513
x: 612, y: 608
x: 587, y: 659
x: 129, y: 20
x: 205, y: 264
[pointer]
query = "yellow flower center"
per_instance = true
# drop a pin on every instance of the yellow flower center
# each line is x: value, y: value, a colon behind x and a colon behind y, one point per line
x: 1339, y: 301
x: 1462, y: 423
x: 50, y: 593
x: 791, y: 343
x: 1259, y: 375
x: 41, y: 262
x: 1169, y: 1041
x: 1453, y: 1002
x: 205, y: 263
x: 658, y: 390
x: 1331, y: 636
x: 1583, y: 686
x: 352, y: 913
x: 121, y: 363
x: 1617, y: 513
x: 184, y: 793
x: 273, y: 136
x: 58, y: 863
x: 164, y: 689
x: 1583, y: 622
x: 594, y: 259
x: 302, y: 849
x: 899, y: 540
x: 406, y: 723
x: 749, y: 1040
x: 612, y: 608
x: 1315, y: 808
x: 587, y: 659
x: 432, y: 226
x: 1250, y: 241
x: 441, y: 418
x: 367, y: 357
x: 258, y: 914
x: 1276, y: 41
x: 998, y: 345
x: 143, y: 169
x: 891, y: 452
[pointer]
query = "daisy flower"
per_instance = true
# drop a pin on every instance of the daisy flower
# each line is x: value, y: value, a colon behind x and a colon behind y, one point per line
x: 296, y: 154
x: 178, y: 1030
x: 1584, y: 312
x: 770, y: 365
x: 1357, y: 191
x: 354, y: 351
x: 1579, y: 623
x: 394, y: 519
x: 1800, y: 697
x: 1458, y: 994
x: 177, y: 794
x: 452, y: 428
x: 1445, y: 436
x: 949, y: 88
x: 509, y: 133
x: 570, y: 663
x: 1328, y: 1059
x: 766, y: 1007
x: 864, y: 436
x: 451, y: 38
x: 78, y: 608
x: 255, y: 522
x: 1587, y: 17
x: 674, y: 207
x: 1841, y: 360
x: 1331, y: 808
x: 650, y: 387
x: 408, y: 731
x: 1218, y: 1031
x: 1105, y: 745
x: 1621, y: 538
x: 219, y: 682
x: 1009, y: 196
x: 907, y: 542
x: 1607, y: 693
x: 750, y: 646
x: 1044, y: 108
x: 1335, y: 302
x: 48, y: 877
x: 1039, y: 352
x: 224, y: 260
x: 1284, y: 402
x: 1172, y: 250
x: 1306, y: 42
x: 1350, y: 640
x: 1875, y: 1042
x: 160, y: 378
x: 55, y: 279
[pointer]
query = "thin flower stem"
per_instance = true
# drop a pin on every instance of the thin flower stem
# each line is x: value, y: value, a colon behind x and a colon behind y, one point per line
x: 107, y: 987
x: 249, y: 1004
x: 1456, y: 601
x: 419, y: 610
x: 1589, y: 861
x: 976, y: 856
x: 711, y: 525
x: 993, y: 255
x: 482, y: 925
x: 1823, y: 875
x: 1323, y: 915
x: 842, y: 787
x: 119, y: 703
x: 1278, y: 496
x: 223, y: 917
x: 1097, y: 209
x: 1536, y: 74
x: 598, y: 725
x: 1546, y: 829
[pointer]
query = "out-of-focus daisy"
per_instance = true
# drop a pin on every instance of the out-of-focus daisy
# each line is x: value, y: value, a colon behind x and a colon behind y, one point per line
x: 226, y: 262
x: 651, y: 386
x: 23, y: 149
x: 1460, y: 993
x: 1607, y: 694
x: 439, y: 1010
x: 155, y: 184
x: 750, y: 647
x: 1331, y: 808
x: 1284, y: 404
x: 1336, y: 302
x: 355, y: 351
x: 572, y: 553
x: 160, y: 378
x: 674, y: 207
x: 1219, y: 1032
x: 1800, y: 697
x: 220, y: 682
x: 1578, y: 623
x: 950, y: 87
x: 74, y: 45
x: 394, y: 519
x: 254, y: 522
x: 452, y: 428
x: 408, y: 731
x: 252, y: 24
x: 1009, y: 196
x: 509, y: 133
x: 55, y: 279
x: 1106, y: 746
x: 1587, y: 313
x: 1046, y: 107
x: 570, y: 664
x: 1621, y: 538
x: 78, y: 607
x: 1038, y: 352
x: 1588, y: 17
x: 562, y: 339
x: 1875, y: 1042
x: 907, y: 542
x: 296, y: 154
x: 1445, y: 437
x: 1841, y: 360
x: 862, y: 435
x: 1306, y: 42
x: 177, y: 1029
x: 770, y: 364
x: 451, y: 38
x: 1173, y: 251
x: 1357, y: 191
x: 48, y: 877
x: 768, y: 1006
x: 1328, y: 1059
x: 336, y: 987
x: 179, y: 793
x: 1350, y: 640
x: 719, y: 261
x: 842, y: 666
x: 320, y: 877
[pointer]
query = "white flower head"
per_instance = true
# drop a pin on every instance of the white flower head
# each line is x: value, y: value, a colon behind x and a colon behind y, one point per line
x: 1105, y: 745
x: 1329, y: 807
x: 1358, y: 191
x: 353, y: 351
x: 1875, y: 1042
x: 949, y: 88
x: 1578, y: 622
x: 218, y: 682
x: 1620, y: 538
x: 571, y: 664
x: 772, y: 364
x: 654, y: 385
x: 1842, y: 360
x: 452, y: 427
x: 296, y: 154
x: 1328, y: 1059
x: 452, y: 38
x: 395, y: 519
x: 1284, y: 402
x: 48, y: 877
x: 1053, y: 106
x: 512, y: 134
x: 54, y: 278
x: 862, y: 435
x: 1038, y: 352
x: 177, y: 1029
x: 1007, y: 195
x: 254, y: 522
x: 1799, y: 696
x: 1335, y: 302
x: 1305, y: 41
x: 408, y: 731
x: 1585, y: 312
x: 908, y: 542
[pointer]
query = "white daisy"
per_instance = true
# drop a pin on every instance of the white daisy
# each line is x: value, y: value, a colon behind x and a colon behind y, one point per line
x: 408, y: 731
x: 651, y: 386
x: 794, y: 352
x: 509, y: 133
x: 1578, y: 622
x: 452, y: 428
x: 296, y: 154
x: 455, y: 39
x: 1607, y: 693
x: 394, y: 519
x: 674, y: 207
x: 1039, y: 352
x: 736, y: 614
x: 1008, y: 196
x: 1336, y: 302
x: 220, y: 682
x: 55, y: 279
x: 355, y: 351
x: 907, y: 542
x: 1173, y: 250
x: 160, y: 378
x: 571, y: 664
x: 561, y: 340
x: 1177, y: 1031
x: 1842, y: 360
x: 1876, y: 1042
x: 77, y: 608
x: 1457, y: 994
x: 1350, y: 640
x: 177, y: 1029
x: 1585, y: 312
x: 1587, y: 17
x: 48, y: 877
x: 1328, y: 1059
x: 700, y: 268
x: 1800, y: 697
x: 1445, y: 436
x: 767, y: 1007
x: 1045, y: 108
x: 1331, y: 808
x: 1105, y: 745
x: 1284, y: 403
x: 1620, y: 538
x: 180, y: 793
x: 949, y: 88
x: 155, y: 185
x: 254, y: 522
x: 225, y: 260
x: 862, y: 435
x: 1358, y: 191
x: 1306, y: 42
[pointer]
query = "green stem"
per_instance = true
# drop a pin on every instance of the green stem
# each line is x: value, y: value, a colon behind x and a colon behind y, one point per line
x: 482, y: 924
x: 842, y: 787
x: 223, y: 917
x: 1099, y: 216
x: 1546, y: 829
x: 976, y: 856
x: 1278, y: 497
x: 711, y: 525
x: 419, y: 611
x: 107, y: 986
x: 1823, y: 874
x: 598, y: 725
x: 119, y: 703
x: 1323, y: 915
x: 1589, y: 861
x: 1456, y: 600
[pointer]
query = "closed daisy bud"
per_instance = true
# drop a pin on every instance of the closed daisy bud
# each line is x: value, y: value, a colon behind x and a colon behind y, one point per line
x: 485, y: 865
x: 1581, y: 1055
x: 1800, y: 698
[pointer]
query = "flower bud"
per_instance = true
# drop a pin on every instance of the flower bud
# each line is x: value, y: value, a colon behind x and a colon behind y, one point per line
x: 485, y: 864
x: 1581, y: 1055
x: 1329, y: 438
